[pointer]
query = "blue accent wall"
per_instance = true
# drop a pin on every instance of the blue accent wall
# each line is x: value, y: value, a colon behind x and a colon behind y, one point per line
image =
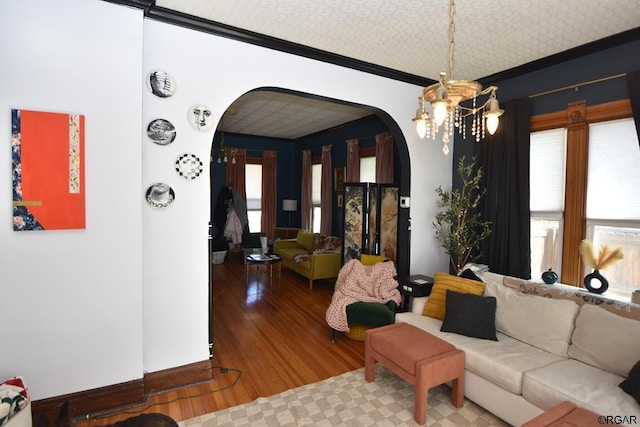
x: 290, y: 161
x: 613, y: 61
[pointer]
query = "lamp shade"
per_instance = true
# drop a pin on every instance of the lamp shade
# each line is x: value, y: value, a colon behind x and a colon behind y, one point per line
x: 289, y: 205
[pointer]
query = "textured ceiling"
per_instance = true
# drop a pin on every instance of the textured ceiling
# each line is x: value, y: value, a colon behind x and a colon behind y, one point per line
x: 282, y: 115
x: 411, y: 36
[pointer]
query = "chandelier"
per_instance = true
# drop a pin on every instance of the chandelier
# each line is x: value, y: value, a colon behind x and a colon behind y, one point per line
x: 223, y: 153
x: 446, y: 97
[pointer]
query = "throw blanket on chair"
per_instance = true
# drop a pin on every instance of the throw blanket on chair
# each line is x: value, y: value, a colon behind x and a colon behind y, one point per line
x: 361, y: 283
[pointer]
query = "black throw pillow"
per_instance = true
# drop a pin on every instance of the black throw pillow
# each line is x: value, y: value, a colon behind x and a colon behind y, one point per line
x: 469, y: 274
x: 470, y: 315
x: 631, y: 385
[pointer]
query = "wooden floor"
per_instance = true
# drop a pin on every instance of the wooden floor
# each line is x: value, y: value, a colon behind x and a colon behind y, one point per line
x: 269, y: 336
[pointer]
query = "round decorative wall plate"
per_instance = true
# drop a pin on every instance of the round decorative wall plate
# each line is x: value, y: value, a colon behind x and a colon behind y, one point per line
x: 161, y: 83
x: 189, y: 166
x: 160, y: 195
x: 200, y: 117
x: 161, y: 131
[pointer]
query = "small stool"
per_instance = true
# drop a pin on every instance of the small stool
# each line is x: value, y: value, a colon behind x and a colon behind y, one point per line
x: 565, y: 414
x: 423, y: 360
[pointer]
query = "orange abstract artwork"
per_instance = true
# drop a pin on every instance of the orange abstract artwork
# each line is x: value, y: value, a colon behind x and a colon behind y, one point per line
x: 48, y: 170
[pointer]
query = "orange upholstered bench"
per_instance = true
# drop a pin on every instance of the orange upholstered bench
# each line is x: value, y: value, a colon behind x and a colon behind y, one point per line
x: 566, y: 414
x: 419, y: 358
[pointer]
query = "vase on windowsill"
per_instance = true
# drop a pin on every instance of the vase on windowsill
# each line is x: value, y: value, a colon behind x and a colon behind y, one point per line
x: 604, y: 258
x: 595, y: 276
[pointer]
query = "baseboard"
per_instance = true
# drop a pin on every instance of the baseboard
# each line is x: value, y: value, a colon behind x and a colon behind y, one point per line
x: 126, y: 394
x: 169, y: 379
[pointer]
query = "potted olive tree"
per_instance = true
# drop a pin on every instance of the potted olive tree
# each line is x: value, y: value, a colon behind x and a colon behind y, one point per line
x: 459, y: 226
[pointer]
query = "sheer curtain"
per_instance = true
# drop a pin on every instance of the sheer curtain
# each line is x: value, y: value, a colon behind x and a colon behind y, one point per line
x: 326, y: 194
x: 384, y: 158
x: 306, y: 206
x: 236, y: 172
x: 269, y: 185
x: 504, y: 158
x: 353, y: 161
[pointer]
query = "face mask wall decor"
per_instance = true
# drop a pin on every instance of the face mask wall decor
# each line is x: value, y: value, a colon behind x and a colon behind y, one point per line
x: 200, y: 117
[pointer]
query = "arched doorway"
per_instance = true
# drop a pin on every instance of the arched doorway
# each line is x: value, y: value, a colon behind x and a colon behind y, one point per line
x: 288, y: 121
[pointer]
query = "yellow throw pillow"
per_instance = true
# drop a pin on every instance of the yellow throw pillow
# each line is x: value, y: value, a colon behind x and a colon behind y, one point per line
x: 366, y: 259
x: 435, y: 306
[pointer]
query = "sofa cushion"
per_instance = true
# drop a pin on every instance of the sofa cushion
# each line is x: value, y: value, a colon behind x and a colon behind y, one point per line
x: 542, y: 322
x: 436, y: 305
x: 305, y: 239
x: 291, y: 253
x: 582, y: 384
x: 501, y: 362
x: 470, y: 315
x: 605, y: 340
x: 631, y: 384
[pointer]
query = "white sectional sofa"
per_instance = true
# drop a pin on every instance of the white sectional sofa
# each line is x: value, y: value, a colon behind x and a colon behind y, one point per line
x: 555, y: 343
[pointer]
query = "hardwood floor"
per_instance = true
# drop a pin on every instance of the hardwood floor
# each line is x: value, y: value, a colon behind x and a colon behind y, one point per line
x: 269, y: 336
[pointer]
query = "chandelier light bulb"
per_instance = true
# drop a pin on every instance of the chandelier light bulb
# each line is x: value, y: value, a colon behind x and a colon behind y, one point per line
x: 421, y: 128
x: 493, y: 114
x: 492, y: 123
x: 439, y: 112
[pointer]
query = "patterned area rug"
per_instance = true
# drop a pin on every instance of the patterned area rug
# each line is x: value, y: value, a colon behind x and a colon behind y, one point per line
x: 348, y: 400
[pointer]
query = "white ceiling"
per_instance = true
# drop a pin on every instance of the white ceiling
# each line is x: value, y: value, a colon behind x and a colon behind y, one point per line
x: 409, y: 36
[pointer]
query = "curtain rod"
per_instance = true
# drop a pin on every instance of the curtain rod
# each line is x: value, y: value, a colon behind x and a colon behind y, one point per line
x: 368, y: 136
x: 577, y: 85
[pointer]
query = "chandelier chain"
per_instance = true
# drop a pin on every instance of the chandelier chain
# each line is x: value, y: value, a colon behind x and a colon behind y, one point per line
x: 452, y: 29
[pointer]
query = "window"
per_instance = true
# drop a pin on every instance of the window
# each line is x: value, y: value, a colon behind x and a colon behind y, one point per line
x: 253, y: 183
x: 547, y: 172
x: 368, y: 169
x: 604, y: 207
x: 316, y: 182
x: 613, y: 198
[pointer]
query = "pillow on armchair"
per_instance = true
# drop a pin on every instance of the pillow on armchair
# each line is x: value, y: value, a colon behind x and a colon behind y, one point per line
x: 367, y: 259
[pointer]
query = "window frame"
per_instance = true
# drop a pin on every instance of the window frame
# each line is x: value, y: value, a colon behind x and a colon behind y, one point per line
x: 576, y: 119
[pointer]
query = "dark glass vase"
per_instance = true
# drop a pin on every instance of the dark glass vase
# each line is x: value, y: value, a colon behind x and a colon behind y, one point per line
x: 550, y: 277
x: 596, y: 276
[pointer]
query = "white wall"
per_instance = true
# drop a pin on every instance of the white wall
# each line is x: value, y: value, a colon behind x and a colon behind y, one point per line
x: 215, y: 71
x: 73, y: 299
x: 128, y: 295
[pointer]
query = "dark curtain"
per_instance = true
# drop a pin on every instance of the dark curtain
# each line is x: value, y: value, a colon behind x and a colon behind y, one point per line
x: 504, y: 158
x: 306, y: 204
x: 384, y: 158
x: 353, y: 161
x: 326, y: 195
x: 236, y: 171
x: 633, y: 83
x: 269, y: 196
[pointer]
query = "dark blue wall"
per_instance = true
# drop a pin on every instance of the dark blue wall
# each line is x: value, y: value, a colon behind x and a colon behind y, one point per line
x: 290, y: 161
x: 615, y: 60
x: 364, y: 130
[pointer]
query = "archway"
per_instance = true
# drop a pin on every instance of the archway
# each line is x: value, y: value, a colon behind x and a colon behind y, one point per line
x: 234, y: 137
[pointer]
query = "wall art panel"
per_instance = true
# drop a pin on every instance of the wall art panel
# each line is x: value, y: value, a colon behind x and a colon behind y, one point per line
x: 48, y: 170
